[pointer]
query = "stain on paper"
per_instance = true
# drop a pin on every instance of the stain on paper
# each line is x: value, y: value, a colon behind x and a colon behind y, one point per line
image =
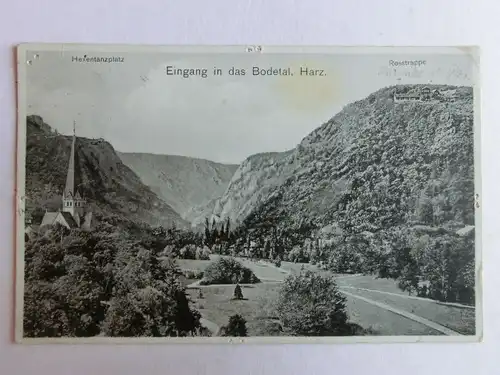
x: 312, y: 87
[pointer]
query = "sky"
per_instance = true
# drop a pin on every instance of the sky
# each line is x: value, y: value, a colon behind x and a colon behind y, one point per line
x: 137, y: 107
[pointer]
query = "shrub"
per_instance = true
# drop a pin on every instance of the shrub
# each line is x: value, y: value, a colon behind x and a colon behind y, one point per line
x: 170, y: 251
x: 203, y: 253
x: 193, y: 275
x: 272, y: 329
x: 311, y: 305
x: 228, y: 271
x: 236, y: 327
x: 188, y: 252
x: 238, y: 294
x: 202, y: 332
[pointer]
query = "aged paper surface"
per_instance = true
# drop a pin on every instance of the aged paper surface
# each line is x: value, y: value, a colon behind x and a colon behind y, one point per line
x: 247, y: 194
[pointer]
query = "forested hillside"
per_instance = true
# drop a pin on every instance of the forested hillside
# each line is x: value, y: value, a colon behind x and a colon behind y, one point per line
x: 378, y: 164
x: 379, y: 180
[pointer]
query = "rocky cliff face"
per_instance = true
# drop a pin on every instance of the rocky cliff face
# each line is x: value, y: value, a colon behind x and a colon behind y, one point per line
x: 189, y: 185
x: 252, y: 184
x: 374, y: 165
x: 111, y: 188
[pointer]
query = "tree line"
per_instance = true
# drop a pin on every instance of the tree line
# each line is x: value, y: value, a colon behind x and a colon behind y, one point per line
x: 427, y: 261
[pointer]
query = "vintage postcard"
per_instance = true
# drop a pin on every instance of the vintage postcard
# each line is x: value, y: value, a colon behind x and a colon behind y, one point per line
x: 248, y: 194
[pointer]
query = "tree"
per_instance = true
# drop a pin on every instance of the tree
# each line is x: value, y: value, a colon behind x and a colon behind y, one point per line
x: 236, y: 327
x: 228, y: 271
x: 424, y: 209
x: 228, y: 229
x: 222, y: 232
x: 159, y: 231
x: 448, y: 264
x: 208, y: 234
x: 267, y: 251
x: 296, y: 255
x: 215, y: 232
x: 408, y: 280
x: 238, y: 294
x: 150, y: 301
x: 310, y: 304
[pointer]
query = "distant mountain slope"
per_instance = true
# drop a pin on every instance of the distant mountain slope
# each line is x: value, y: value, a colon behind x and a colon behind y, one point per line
x: 375, y: 165
x: 187, y: 184
x: 110, y: 186
x: 251, y: 185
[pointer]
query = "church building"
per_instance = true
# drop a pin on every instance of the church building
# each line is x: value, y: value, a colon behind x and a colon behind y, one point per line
x: 74, y: 212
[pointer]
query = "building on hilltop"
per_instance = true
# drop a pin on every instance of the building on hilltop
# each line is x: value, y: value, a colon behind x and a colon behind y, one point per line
x: 74, y: 212
x: 425, y: 95
x: 407, y: 98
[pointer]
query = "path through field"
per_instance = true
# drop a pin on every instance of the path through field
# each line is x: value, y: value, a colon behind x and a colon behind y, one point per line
x: 213, y: 327
x: 375, y: 304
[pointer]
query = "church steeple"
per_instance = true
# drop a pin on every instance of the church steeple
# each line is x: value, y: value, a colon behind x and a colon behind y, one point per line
x: 69, y: 189
x: 74, y: 213
x: 72, y: 201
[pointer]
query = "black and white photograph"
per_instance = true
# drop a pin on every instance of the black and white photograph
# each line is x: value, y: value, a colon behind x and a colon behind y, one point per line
x: 247, y: 194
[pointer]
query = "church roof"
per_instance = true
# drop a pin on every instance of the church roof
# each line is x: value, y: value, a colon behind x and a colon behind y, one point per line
x: 49, y: 218
x: 69, y: 219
